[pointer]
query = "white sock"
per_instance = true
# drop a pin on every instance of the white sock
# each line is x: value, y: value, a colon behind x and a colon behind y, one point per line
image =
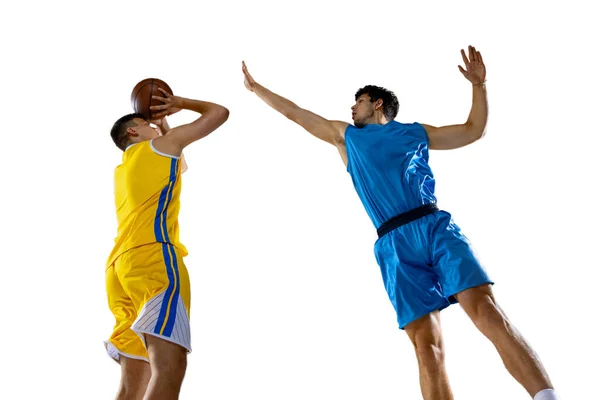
x: 546, y: 394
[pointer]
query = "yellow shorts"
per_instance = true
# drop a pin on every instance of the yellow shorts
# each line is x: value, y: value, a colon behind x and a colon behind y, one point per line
x: 148, y: 291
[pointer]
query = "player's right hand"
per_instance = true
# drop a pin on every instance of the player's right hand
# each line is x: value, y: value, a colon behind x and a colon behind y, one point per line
x: 171, y: 106
x: 249, y: 81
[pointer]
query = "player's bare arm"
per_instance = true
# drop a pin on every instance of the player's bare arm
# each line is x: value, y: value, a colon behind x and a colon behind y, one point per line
x: 176, y: 139
x: 331, y: 132
x: 164, y: 128
x: 455, y: 136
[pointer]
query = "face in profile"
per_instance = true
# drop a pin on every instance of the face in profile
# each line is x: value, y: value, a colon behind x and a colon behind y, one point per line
x: 363, y: 111
x: 143, y: 130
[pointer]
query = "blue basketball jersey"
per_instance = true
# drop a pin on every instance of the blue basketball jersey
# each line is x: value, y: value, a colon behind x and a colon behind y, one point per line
x: 389, y: 168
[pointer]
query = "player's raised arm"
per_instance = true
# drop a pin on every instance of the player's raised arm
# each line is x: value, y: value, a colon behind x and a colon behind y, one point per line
x: 164, y: 128
x: 175, y: 140
x: 329, y: 131
x: 455, y: 136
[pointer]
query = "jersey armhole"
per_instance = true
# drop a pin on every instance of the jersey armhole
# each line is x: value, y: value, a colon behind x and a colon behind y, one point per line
x: 422, y: 128
x: 161, y: 153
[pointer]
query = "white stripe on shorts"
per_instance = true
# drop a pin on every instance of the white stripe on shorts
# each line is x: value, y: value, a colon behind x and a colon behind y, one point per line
x: 148, y: 318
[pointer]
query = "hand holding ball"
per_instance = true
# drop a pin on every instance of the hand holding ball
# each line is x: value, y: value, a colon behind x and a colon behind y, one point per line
x: 141, y: 97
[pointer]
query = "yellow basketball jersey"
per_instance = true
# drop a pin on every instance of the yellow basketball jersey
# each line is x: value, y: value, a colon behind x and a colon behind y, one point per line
x: 147, y: 189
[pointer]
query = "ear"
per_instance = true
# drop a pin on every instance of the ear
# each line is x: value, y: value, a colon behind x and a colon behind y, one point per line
x: 131, y: 132
x: 378, y: 104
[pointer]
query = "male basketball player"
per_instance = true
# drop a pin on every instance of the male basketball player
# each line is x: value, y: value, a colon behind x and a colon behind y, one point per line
x: 425, y: 261
x: 147, y: 282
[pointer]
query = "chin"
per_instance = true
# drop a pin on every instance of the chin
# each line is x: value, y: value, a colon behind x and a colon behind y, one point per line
x: 359, y: 124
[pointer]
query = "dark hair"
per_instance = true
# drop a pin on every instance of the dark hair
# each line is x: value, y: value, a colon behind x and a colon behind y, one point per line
x: 390, y: 101
x: 118, y: 133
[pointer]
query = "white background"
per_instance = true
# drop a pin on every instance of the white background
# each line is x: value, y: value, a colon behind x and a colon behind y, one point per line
x: 288, y: 301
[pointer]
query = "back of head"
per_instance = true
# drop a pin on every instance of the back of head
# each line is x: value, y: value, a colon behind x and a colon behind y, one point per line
x: 390, y: 101
x: 119, y: 129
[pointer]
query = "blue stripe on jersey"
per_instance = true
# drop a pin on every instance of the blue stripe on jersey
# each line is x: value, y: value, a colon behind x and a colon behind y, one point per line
x: 169, y: 256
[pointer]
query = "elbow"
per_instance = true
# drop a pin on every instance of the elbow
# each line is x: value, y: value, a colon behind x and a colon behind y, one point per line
x: 291, y: 113
x: 223, y: 114
x: 475, y: 132
x: 482, y: 133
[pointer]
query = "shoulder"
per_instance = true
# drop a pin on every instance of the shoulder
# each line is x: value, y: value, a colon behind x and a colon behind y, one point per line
x: 340, y: 129
x: 415, y: 127
x: 165, y: 147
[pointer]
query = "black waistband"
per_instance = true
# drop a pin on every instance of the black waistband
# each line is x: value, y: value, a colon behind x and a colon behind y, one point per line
x: 405, y: 218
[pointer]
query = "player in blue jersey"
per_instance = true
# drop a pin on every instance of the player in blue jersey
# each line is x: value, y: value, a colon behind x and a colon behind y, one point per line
x: 426, y: 262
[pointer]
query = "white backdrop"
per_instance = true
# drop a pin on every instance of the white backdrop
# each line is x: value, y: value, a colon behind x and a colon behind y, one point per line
x: 287, y: 299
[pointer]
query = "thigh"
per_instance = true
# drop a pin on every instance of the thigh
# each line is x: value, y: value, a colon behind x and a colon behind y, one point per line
x: 135, y: 375
x: 123, y: 341
x: 411, y: 284
x: 156, y: 279
x: 425, y: 330
x: 453, y: 259
x: 165, y: 355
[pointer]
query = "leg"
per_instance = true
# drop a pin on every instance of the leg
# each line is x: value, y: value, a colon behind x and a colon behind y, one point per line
x: 124, y: 346
x: 426, y: 336
x: 135, y: 375
x: 168, y: 362
x: 518, y: 357
x: 163, y: 316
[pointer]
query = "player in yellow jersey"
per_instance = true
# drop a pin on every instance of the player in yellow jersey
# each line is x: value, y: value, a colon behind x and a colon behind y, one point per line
x: 146, y: 280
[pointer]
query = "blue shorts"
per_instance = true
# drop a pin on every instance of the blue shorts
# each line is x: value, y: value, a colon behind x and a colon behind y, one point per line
x: 424, y: 263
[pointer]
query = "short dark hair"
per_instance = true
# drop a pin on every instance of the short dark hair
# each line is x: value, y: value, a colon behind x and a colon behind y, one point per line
x: 119, y: 129
x: 390, y: 101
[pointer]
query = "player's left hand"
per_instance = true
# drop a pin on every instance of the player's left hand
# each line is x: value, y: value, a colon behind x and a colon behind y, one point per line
x: 171, y: 105
x: 475, y: 72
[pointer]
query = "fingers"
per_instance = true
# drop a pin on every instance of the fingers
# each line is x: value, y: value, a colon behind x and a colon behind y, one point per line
x: 245, y: 71
x: 461, y: 69
x: 472, y: 55
x: 160, y: 98
x: 167, y: 94
x: 464, y: 57
x: 160, y: 107
x: 479, y: 58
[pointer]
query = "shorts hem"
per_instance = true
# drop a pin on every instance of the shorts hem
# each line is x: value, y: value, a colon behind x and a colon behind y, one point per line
x: 415, y: 317
x: 141, y: 334
x: 452, y: 298
x: 116, y: 354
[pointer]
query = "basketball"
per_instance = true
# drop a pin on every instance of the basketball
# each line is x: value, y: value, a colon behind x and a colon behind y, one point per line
x: 141, y: 96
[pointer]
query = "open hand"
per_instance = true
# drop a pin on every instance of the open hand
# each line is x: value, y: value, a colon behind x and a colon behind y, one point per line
x: 249, y: 81
x: 475, y: 71
x: 172, y: 104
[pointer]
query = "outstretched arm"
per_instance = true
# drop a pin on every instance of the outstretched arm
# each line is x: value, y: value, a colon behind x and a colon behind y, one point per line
x: 329, y: 131
x: 455, y: 136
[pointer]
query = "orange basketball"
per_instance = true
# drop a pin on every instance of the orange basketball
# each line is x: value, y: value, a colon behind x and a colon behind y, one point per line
x: 141, y: 96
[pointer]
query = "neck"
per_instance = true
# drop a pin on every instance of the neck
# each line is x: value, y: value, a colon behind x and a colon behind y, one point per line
x: 377, y: 119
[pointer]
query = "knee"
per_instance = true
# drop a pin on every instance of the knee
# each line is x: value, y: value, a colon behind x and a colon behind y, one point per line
x: 488, y: 316
x: 429, y: 347
x: 127, y: 392
x: 429, y: 352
